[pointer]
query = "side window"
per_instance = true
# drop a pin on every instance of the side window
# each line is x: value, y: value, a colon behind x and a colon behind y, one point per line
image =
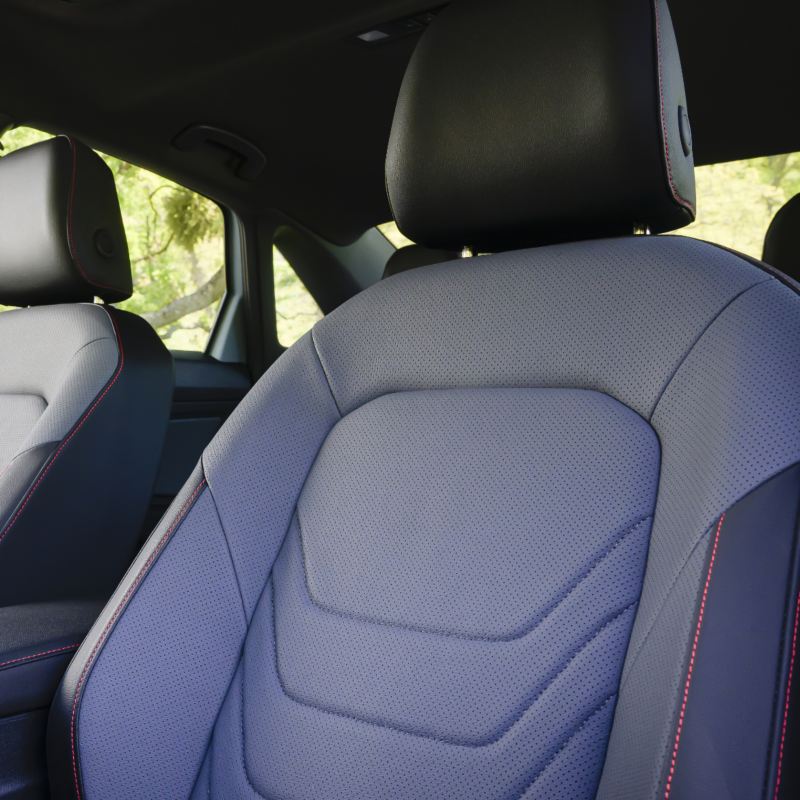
x: 296, y: 311
x: 176, y: 240
x: 392, y: 233
x: 737, y: 200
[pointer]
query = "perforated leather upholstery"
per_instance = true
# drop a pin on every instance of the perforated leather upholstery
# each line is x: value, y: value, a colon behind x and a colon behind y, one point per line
x: 479, y: 533
x: 84, y: 397
x: 352, y: 602
x: 85, y: 389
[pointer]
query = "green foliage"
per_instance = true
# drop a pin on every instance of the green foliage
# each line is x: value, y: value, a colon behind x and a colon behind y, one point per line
x: 176, y: 243
x: 22, y: 137
x: 190, y: 218
x: 736, y: 200
x: 295, y: 309
x: 392, y: 233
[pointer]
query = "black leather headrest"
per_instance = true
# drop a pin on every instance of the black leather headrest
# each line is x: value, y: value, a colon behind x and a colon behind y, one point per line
x: 522, y: 123
x: 413, y: 256
x: 782, y: 242
x: 61, y: 233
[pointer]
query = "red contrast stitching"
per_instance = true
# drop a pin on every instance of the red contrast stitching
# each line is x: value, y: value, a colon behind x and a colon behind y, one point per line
x: 70, y: 207
x: 788, y: 698
x: 114, y: 617
x: 44, y: 653
x: 71, y: 434
x: 675, y: 193
x: 690, y: 669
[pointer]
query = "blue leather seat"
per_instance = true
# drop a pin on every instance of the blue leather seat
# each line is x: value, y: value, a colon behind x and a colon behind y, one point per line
x: 518, y: 525
x: 85, y: 388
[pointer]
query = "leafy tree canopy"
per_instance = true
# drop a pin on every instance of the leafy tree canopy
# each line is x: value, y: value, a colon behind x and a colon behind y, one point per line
x: 176, y: 242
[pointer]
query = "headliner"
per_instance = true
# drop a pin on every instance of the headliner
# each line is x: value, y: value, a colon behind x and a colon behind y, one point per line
x: 127, y: 75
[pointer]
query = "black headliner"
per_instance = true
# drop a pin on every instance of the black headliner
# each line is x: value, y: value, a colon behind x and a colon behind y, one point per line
x: 127, y: 75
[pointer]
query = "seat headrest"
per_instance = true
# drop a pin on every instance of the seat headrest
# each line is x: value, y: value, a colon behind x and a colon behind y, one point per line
x: 413, y: 256
x: 522, y: 123
x: 782, y: 242
x: 61, y: 233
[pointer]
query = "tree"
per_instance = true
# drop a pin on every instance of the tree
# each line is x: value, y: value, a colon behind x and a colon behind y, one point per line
x: 176, y: 242
x: 736, y: 200
x: 176, y: 239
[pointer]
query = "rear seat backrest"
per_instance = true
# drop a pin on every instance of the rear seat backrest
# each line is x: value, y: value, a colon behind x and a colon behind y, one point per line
x: 85, y: 389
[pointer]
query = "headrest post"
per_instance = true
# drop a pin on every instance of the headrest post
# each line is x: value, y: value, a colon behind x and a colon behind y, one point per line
x: 641, y: 230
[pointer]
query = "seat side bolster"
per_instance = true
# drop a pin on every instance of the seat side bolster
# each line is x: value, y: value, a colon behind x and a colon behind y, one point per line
x: 230, y: 526
x: 740, y: 658
x: 103, y: 468
x: 63, y: 747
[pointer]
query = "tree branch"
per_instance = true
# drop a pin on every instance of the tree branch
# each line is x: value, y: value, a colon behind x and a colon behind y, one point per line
x: 203, y: 297
x: 153, y: 254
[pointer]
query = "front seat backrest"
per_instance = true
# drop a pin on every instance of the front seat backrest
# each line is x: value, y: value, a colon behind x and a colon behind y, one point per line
x: 85, y: 389
x: 412, y: 256
x: 519, y: 525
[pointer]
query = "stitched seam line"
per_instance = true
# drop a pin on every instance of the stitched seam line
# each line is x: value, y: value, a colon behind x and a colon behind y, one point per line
x: 531, y: 626
x: 632, y: 659
x: 70, y: 209
x: 33, y: 447
x: 675, y: 193
x: 454, y: 742
x: 250, y: 783
x: 230, y: 555
x: 43, y: 654
x: 772, y: 272
x: 697, y: 340
x: 24, y: 452
x: 210, y: 743
x: 561, y: 749
x: 68, y: 438
x: 788, y: 699
x: 692, y: 657
x: 325, y: 372
x: 628, y: 671
x: 181, y: 515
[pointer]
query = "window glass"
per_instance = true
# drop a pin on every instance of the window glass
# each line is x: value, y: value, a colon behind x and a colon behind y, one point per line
x: 296, y: 311
x: 22, y: 137
x: 737, y: 200
x: 392, y: 233
x: 177, y: 249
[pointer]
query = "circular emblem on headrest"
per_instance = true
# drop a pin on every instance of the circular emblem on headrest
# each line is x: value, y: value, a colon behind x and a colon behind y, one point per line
x: 103, y: 243
x: 685, y: 129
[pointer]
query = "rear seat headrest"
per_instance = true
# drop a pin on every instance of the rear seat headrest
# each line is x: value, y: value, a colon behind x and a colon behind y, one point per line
x: 522, y: 123
x: 782, y: 242
x: 61, y: 233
